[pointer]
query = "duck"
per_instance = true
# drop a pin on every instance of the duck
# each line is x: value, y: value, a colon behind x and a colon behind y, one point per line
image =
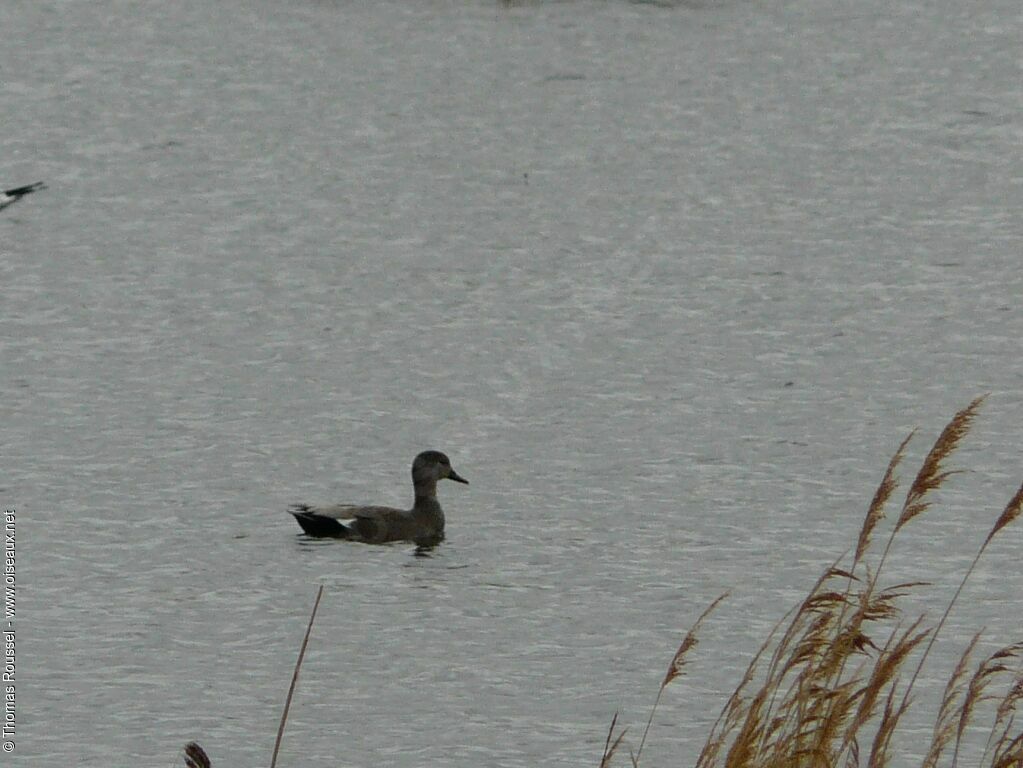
x: 423, y: 524
x: 11, y: 196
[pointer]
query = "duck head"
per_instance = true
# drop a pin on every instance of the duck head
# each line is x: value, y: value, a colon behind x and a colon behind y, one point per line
x: 431, y: 466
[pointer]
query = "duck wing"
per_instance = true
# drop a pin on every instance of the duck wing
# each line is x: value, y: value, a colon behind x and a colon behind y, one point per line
x: 371, y: 524
x: 379, y: 524
x: 334, y: 511
x: 319, y: 526
x: 349, y: 511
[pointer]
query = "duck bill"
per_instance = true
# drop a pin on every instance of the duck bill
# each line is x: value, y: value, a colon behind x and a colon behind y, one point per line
x: 452, y: 475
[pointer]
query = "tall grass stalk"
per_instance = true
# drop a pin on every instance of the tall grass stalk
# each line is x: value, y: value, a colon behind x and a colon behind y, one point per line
x: 294, y: 679
x: 196, y: 757
x: 676, y: 668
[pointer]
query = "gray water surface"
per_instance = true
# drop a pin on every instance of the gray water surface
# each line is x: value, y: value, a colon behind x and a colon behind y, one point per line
x: 668, y: 284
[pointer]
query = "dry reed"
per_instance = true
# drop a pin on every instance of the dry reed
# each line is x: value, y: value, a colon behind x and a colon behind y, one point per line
x: 827, y: 689
x: 611, y: 743
x: 294, y: 679
x: 196, y: 757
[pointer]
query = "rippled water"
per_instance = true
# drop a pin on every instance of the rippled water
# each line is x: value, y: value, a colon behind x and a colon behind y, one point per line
x: 668, y: 284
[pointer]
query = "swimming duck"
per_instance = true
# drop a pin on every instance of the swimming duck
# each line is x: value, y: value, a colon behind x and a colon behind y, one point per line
x: 423, y: 524
x: 11, y: 196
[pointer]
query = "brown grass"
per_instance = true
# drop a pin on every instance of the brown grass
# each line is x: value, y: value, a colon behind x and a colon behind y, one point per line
x: 827, y: 687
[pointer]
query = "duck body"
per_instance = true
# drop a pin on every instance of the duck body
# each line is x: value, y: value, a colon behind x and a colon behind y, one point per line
x: 373, y: 525
x: 422, y: 524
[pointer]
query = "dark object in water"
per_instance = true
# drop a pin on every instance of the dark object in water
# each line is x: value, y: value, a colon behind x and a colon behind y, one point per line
x: 11, y: 196
x: 195, y: 756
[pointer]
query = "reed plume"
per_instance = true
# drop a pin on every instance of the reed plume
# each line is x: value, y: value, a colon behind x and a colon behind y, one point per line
x: 826, y: 688
x: 195, y: 756
x: 932, y: 472
x: 875, y: 512
x: 676, y: 667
